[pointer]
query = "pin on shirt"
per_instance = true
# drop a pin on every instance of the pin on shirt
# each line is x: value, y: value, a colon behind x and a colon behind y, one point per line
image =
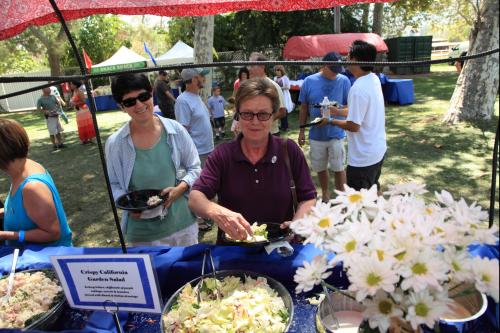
x: 274, y: 159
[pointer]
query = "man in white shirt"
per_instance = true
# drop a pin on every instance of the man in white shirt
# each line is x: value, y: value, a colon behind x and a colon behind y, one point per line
x: 260, y: 71
x: 365, y: 122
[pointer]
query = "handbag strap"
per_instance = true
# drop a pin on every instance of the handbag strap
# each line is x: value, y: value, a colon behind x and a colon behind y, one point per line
x: 284, y: 145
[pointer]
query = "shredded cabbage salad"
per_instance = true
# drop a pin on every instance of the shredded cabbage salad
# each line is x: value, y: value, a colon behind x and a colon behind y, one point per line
x: 32, y: 294
x: 251, y: 307
x: 259, y: 234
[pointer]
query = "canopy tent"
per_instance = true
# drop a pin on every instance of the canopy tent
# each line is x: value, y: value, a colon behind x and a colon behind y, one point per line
x: 20, y: 14
x: 316, y: 46
x: 180, y: 53
x: 124, y: 58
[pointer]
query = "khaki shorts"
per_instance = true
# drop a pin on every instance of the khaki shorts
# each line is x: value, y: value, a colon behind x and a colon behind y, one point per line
x: 324, y: 153
x: 54, y: 125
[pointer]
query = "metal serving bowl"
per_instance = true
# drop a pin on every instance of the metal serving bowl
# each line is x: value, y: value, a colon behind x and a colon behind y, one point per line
x: 45, y: 320
x: 277, y: 286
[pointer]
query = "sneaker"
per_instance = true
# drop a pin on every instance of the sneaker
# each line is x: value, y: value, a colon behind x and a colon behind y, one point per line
x: 62, y: 145
x: 55, y: 147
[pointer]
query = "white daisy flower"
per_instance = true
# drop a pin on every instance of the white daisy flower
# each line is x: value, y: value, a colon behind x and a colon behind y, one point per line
x: 350, y: 241
x: 410, y: 188
x: 380, y: 310
x: 481, y: 234
x: 445, y: 198
x: 486, y: 274
x: 460, y: 264
x: 311, y: 274
x: 425, y: 269
x: 425, y: 308
x: 369, y: 276
x: 353, y: 200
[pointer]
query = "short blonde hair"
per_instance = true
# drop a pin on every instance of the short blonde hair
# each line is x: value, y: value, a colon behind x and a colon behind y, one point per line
x: 281, y: 68
x: 257, y: 87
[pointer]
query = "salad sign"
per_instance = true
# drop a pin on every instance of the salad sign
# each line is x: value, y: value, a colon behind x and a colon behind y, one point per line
x: 124, y: 282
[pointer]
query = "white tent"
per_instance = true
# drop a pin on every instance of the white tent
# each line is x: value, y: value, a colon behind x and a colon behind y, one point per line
x: 180, y: 53
x: 124, y: 58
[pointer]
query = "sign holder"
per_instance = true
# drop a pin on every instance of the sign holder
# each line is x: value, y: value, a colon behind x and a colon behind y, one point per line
x: 113, y: 308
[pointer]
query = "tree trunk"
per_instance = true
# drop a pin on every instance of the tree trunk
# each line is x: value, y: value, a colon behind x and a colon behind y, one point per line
x: 378, y: 17
x: 54, y: 62
x: 203, y: 46
x: 477, y: 86
x: 365, y: 15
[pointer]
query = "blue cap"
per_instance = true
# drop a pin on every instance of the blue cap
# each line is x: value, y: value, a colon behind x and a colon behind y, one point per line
x: 334, y: 56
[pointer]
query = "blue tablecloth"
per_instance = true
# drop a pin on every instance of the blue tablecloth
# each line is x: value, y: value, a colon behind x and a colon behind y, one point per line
x: 177, y: 265
x: 399, y: 91
x: 104, y: 102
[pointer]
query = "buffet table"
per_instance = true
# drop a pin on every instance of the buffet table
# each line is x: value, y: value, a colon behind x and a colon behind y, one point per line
x: 177, y: 265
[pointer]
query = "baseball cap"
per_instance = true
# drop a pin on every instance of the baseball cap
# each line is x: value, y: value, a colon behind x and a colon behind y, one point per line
x: 334, y: 56
x: 188, y: 73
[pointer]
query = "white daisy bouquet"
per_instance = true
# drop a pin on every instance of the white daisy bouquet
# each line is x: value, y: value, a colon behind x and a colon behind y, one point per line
x: 402, y: 255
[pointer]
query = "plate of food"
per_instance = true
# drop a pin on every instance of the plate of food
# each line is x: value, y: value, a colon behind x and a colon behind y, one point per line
x: 263, y: 234
x: 141, y: 200
x: 36, y: 302
x: 316, y: 121
x: 235, y: 301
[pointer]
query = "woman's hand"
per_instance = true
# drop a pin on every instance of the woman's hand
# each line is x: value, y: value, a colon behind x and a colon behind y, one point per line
x: 285, y: 225
x: 174, y: 193
x: 232, y: 223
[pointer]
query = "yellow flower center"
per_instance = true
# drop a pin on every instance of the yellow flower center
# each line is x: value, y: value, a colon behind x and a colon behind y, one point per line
x: 419, y: 268
x: 380, y: 255
x: 350, y: 246
x: 428, y: 211
x: 438, y: 230
x: 373, y: 279
x: 400, y: 256
x: 324, y: 222
x: 421, y: 310
x: 485, y: 278
x: 456, y: 266
x: 385, y: 307
x: 353, y: 198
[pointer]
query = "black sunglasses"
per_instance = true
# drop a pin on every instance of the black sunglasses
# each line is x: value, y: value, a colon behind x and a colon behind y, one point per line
x: 262, y: 116
x: 143, y: 97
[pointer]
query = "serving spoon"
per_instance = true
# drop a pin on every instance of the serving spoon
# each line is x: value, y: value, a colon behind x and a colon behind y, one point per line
x: 10, y: 283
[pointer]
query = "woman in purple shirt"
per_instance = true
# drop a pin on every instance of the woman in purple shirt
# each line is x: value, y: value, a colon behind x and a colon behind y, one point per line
x: 249, y: 175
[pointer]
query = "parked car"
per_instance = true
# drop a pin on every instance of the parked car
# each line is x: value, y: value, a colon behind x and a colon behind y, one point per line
x: 456, y: 51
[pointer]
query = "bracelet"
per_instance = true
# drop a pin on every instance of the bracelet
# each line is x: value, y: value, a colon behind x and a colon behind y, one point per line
x: 20, y: 238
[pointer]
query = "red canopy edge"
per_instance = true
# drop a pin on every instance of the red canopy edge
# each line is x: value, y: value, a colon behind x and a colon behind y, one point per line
x: 313, y: 46
x: 20, y: 14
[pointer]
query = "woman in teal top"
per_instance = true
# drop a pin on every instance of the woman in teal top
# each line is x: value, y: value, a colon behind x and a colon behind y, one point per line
x: 152, y: 152
x: 33, y: 210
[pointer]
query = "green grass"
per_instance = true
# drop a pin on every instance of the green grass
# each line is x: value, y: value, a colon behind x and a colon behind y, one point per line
x: 421, y: 148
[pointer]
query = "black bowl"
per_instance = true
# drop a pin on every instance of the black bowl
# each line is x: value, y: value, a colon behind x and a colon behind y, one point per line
x: 274, y: 234
x: 137, y: 201
x: 46, y: 320
x: 277, y: 286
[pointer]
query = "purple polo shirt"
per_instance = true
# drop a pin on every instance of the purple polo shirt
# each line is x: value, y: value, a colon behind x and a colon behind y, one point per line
x: 259, y: 192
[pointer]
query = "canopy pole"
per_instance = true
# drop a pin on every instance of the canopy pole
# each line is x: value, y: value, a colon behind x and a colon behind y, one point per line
x: 93, y: 111
x: 494, y: 169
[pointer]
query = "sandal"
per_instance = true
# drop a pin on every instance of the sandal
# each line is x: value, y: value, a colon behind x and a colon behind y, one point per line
x: 204, y: 226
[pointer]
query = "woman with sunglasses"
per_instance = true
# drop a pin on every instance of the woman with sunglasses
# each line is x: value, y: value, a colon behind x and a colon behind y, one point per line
x: 152, y: 152
x: 86, y: 131
x: 249, y: 175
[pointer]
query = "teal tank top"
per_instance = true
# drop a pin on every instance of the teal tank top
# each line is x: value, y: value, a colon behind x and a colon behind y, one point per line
x: 15, y: 217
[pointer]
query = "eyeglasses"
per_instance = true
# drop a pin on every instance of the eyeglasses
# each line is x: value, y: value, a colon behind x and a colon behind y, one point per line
x: 262, y: 116
x: 143, y: 97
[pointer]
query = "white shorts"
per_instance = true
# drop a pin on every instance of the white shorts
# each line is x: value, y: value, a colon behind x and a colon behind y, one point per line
x: 54, y: 125
x: 330, y: 152
x: 185, y: 237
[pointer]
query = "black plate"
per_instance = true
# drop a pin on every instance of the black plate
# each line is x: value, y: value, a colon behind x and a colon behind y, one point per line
x: 45, y: 320
x: 280, y: 289
x: 312, y: 123
x: 274, y: 234
x: 137, y: 201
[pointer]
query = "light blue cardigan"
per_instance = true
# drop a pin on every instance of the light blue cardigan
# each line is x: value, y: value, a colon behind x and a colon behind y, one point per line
x: 120, y: 158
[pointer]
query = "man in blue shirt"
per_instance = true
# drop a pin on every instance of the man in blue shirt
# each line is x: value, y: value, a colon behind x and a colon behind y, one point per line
x: 193, y: 114
x: 327, y: 142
